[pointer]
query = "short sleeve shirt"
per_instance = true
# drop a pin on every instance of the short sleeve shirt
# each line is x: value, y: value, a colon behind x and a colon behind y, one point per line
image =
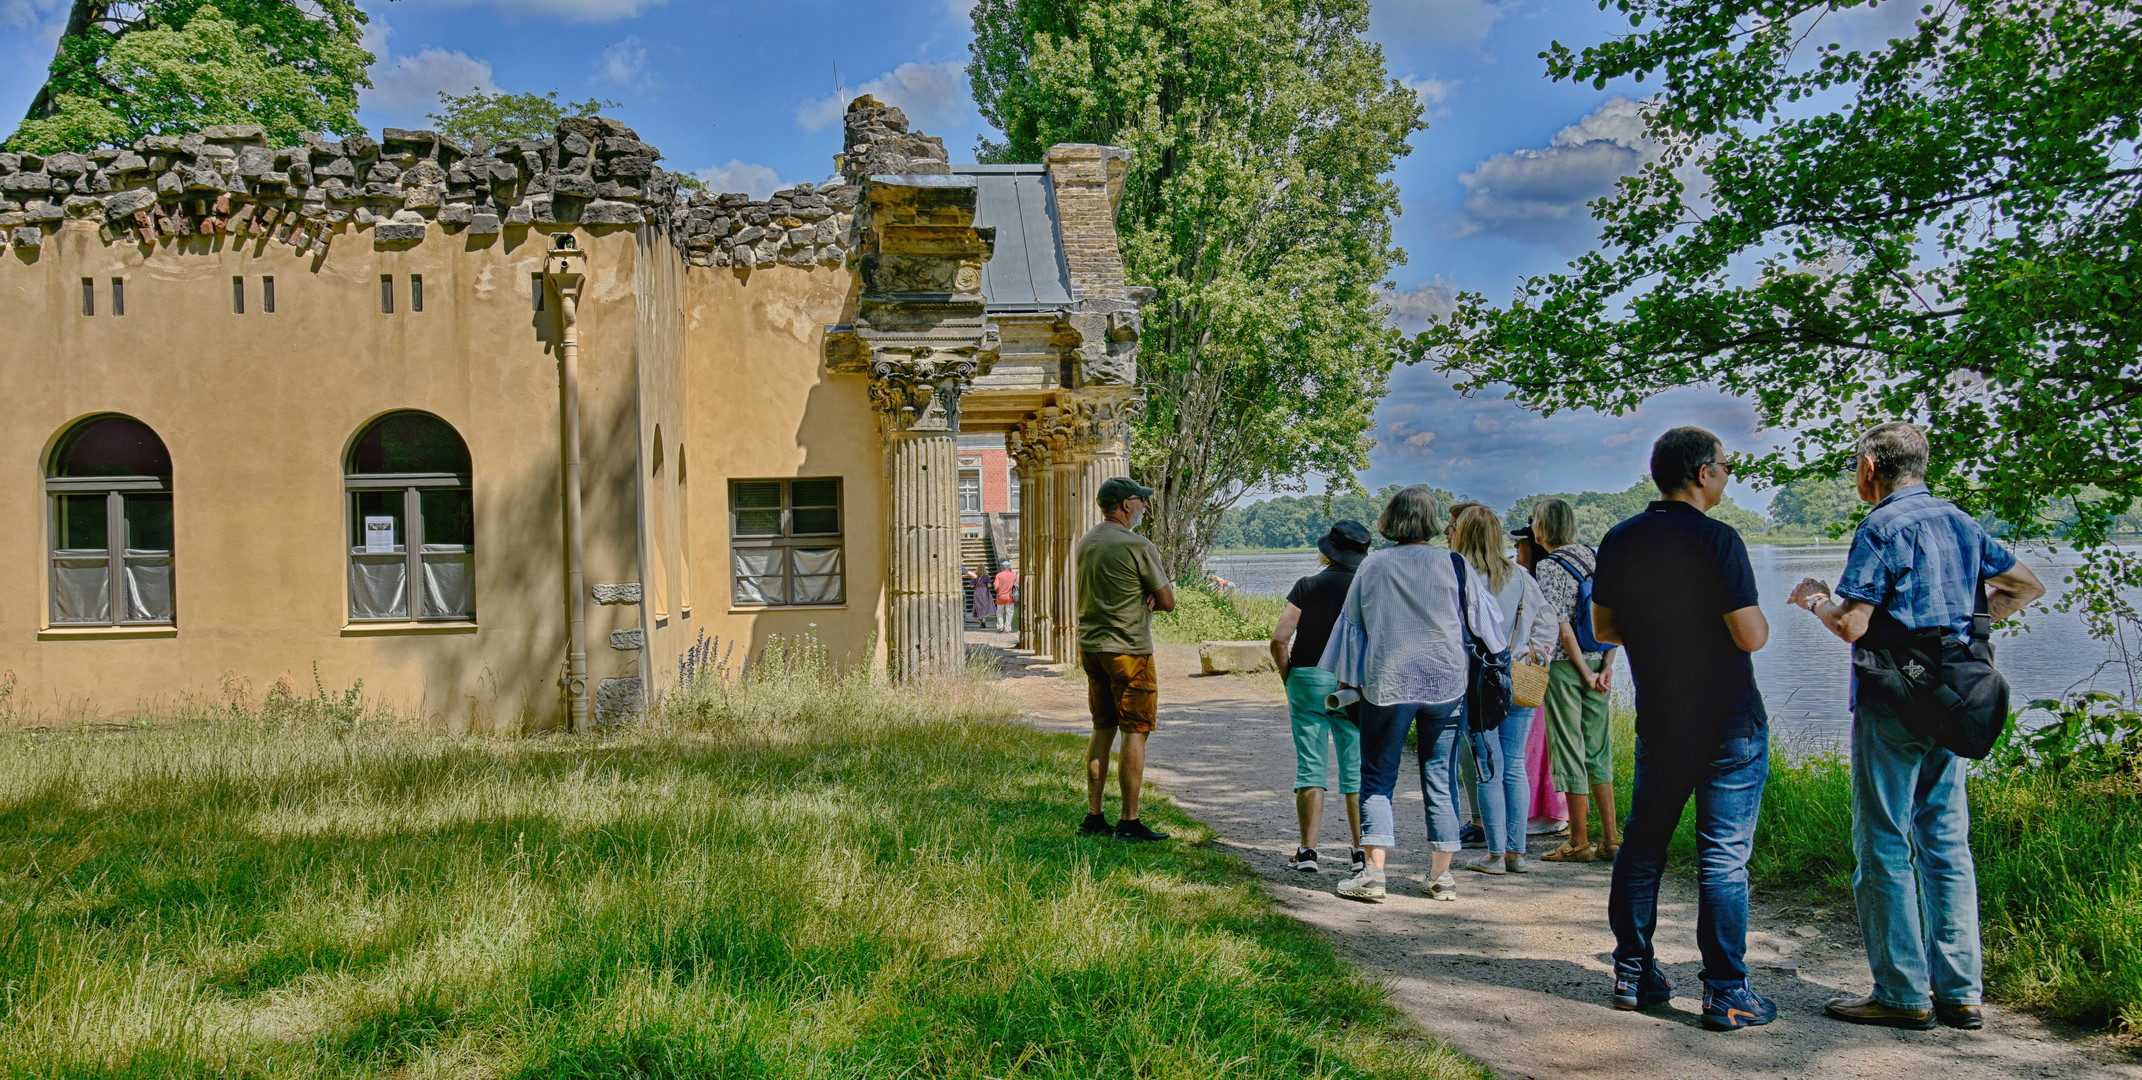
x: 1921, y: 559
x: 1559, y: 587
x: 1117, y: 570
x: 1005, y: 583
x: 1320, y: 596
x: 1670, y: 575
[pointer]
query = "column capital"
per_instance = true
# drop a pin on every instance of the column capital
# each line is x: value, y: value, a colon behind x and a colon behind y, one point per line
x: 1101, y: 423
x: 917, y: 388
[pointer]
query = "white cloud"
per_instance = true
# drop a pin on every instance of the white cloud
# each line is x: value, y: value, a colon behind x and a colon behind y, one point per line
x: 623, y: 63
x: 963, y: 10
x: 405, y: 88
x: 748, y: 177
x: 1451, y: 25
x: 1540, y: 194
x: 1434, y: 93
x: 1412, y: 309
x: 568, y: 10
x: 39, y: 15
x: 930, y: 94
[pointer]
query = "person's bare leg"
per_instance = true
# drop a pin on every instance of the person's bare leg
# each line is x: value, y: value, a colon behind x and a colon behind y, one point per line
x: 1130, y: 771
x: 1609, y: 828
x: 1353, y: 816
x: 1097, y: 766
x: 1439, y: 863
x: 1375, y: 857
x: 1580, y: 819
x: 1309, y: 814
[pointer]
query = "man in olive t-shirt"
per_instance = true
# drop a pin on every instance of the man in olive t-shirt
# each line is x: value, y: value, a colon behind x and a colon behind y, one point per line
x: 1120, y: 585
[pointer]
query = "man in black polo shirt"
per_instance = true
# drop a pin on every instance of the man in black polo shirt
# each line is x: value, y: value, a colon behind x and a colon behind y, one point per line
x: 1676, y: 588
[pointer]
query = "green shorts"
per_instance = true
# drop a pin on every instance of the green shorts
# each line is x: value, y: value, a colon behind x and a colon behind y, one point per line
x: 1318, y: 729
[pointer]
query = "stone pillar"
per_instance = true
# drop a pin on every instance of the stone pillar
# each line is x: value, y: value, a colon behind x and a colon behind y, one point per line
x: 1069, y: 526
x: 917, y: 396
x: 1039, y: 555
x: 1033, y: 545
x: 1087, y: 181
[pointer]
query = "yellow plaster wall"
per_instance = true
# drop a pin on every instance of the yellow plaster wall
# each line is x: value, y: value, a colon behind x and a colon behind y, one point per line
x: 257, y: 411
x: 764, y: 406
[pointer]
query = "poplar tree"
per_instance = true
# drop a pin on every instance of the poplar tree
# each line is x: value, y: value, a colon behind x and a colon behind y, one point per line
x: 1259, y: 207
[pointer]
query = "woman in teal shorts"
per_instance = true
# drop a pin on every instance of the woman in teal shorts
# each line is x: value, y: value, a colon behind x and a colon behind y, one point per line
x: 1297, y: 643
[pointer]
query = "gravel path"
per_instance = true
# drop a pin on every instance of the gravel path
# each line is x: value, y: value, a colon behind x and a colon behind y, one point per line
x: 1516, y: 972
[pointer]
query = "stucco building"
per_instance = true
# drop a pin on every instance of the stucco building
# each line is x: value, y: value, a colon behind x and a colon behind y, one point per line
x: 504, y: 430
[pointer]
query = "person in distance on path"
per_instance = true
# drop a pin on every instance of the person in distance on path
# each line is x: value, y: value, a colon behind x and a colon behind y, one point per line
x: 1312, y: 608
x: 1916, y: 563
x: 1677, y: 589
x: 1120, y: 586
x: 1006, y: 584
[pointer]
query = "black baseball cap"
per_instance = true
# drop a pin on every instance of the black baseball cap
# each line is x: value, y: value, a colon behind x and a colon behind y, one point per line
x: 1115, y: 489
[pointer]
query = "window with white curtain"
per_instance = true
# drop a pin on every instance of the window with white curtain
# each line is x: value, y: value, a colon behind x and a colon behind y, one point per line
x: 412, y: 522
x: 109, y: 490
x: 785, y: 542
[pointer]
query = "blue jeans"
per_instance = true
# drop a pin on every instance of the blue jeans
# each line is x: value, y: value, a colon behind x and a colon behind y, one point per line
x: 1727, y: 780
x: 1383, y: 750
x: 1916, y: 886
x: 1506, y: 801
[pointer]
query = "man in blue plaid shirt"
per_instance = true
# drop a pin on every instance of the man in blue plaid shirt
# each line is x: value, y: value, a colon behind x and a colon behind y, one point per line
x: 1920, y: 560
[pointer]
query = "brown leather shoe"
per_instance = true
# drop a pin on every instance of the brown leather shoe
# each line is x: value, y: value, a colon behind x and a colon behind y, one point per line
x: 1866, y: 1010
x: 1967, y: 1017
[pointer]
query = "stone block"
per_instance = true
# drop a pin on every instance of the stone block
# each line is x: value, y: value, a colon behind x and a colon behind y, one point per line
x: 631, y: 165
x: 457, y: 213
x: 40, y: 210
x: 26, y: 183
x: 622, y: 593
x: 127, y: 161
x: 28, y: 236
x: 484, y: 225
x: 338, y: 168
x: 607, y: 212
x: 254, y: 161
x: 234, y: 132
x: 67, y: 164
x: 361, y: 147
x: 627, y: 640
x: 1221, y: 657
x: 423, y: 197
x: 617, y: 701
x: 398, y: 232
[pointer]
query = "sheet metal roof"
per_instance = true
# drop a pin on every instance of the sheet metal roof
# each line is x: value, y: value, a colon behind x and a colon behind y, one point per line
x: 1027, y: 270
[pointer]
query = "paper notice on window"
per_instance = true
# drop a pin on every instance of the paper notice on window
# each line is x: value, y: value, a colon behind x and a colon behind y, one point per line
x: 379, y: 533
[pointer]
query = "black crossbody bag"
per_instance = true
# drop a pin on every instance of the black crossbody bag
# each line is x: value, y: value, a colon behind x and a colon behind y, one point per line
x: 1938, y: 685
x: 1487, y: 674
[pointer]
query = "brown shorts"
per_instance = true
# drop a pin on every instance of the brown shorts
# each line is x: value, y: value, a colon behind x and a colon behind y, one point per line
x: 1122, y: 689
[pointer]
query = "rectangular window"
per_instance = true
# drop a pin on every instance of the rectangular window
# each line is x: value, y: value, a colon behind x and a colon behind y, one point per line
x: 118, y: 296
x: 412, y: 549
x: 267, y: 295
x: 386, y: 294
x: 970, y: 493
x: 89, y: 296
x: 535, y: 290
x: 1011, y: 483
x: 785, y: 542
x: 416, y: 292
x: 237, y: 296
x: 111, y: 552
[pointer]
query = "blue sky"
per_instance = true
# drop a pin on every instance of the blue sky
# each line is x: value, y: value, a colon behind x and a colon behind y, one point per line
x: 743, y: 93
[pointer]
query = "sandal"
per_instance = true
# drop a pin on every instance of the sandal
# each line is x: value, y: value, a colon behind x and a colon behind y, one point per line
x: 1572, y: 853
x: 1608, y: 851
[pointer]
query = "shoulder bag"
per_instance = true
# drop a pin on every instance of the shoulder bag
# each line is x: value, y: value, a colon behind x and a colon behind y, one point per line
x: 1938, y: 685
x: 1487, y: 675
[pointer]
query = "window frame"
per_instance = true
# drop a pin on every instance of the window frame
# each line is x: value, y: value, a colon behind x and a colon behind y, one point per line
x: 115, y: 490
x: 412, y: 486
x: 788, y: 540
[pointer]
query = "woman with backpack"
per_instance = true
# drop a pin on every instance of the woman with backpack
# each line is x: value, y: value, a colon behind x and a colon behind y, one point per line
x: 1579, y: 687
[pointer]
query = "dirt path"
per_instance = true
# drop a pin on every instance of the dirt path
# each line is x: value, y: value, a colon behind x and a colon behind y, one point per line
x: 1516, y: 972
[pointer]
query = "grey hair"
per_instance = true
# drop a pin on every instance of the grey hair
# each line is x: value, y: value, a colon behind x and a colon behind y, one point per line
x: 1411, y: 516
x: 1898, y: 450
x: 1554, y: 523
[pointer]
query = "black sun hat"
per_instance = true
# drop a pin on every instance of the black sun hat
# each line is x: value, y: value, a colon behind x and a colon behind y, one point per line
x: 1346, y: 544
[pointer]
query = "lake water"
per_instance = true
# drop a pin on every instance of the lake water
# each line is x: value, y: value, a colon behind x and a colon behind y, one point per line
x: 1803, y: 670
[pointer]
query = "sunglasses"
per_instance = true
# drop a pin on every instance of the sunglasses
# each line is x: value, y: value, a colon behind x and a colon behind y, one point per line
x: 1721, y: 463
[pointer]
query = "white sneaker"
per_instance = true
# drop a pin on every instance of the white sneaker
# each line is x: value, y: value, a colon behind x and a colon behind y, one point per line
x: 1366, y: 885
x: 1546, y: 827
x: 1443, y: 888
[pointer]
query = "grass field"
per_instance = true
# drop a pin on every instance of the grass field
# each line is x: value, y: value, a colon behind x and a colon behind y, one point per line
x: 2059, y: 875
x: 795, y: 874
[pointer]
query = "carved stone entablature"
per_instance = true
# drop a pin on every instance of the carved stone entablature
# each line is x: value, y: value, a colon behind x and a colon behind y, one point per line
x: 1102, y: 337
x: 918, y: 388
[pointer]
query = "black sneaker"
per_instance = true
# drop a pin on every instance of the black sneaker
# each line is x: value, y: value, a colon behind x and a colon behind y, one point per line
x: 1304, y: 860
x: 1135, y: 831
x: 1736, y: 1007
x: 1357, y: 861
x: 1472, y: 836
x: 1095, y: 825
x: 1643, y: 989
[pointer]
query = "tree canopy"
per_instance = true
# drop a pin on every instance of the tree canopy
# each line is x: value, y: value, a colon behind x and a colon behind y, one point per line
x: 1598, y: 511
x: 498, y: 116
x: 1940, y: 229
x: 1258, y: 205
x: 1297, y: 521
x: 124, y: 70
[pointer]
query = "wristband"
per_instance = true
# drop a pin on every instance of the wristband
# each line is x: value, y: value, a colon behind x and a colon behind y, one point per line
x: 1815, y: 601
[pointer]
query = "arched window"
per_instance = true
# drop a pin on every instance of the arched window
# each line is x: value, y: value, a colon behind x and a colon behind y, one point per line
x: 412, y: 519
x: 109, y: 485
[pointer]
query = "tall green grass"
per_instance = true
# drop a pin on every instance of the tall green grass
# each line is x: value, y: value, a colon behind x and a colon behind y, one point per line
x: 791, y: 872
x: 1203, y: 613
x: 2059, y: 858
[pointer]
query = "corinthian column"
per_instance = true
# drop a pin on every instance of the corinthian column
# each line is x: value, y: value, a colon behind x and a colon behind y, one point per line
x: 1068, y: 526
x: 1037, y: 552
x: 917, y: 393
